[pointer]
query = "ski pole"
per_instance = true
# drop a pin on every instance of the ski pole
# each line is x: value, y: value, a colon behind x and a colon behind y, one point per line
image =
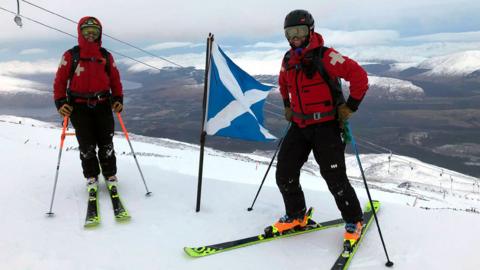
x: 354, y: 145
x: 269, y: 166
x: 62, y: 140
x: 133, y: 153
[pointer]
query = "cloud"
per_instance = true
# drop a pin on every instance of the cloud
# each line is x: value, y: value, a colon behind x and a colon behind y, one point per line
x: 11, y: 84
x: 277, y: 45
x: 196, y: 60
x: 359, y: 38
x: 446, y: 37
x: 8, y: 71
x: 26, y: 68
x: 172, y: 45
x: 189, y: 20
x: 32, y: 51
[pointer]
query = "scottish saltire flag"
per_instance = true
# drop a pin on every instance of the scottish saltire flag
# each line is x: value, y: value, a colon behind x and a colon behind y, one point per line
x: 234, y: 101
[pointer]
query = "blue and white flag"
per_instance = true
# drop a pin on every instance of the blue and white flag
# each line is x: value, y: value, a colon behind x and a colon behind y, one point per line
x: 234, y: 101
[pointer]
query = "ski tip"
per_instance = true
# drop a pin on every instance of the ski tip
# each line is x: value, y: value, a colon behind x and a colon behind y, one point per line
x: 375, y: 204
x: 91, y: 225
x: 122, y: 219
x: 309, y: 212
x: 192, y: 252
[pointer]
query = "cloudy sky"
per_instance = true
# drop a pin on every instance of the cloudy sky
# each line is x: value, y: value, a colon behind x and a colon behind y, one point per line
x: 250, y: 31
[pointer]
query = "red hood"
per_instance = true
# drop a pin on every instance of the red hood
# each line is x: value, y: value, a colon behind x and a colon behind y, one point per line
x: 89, y: 49
x: 316, y: 40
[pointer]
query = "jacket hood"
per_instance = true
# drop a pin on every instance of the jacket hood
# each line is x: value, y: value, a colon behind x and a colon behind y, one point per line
x: 316, y: 40
x: 89, y: 49
x: 297, y: 54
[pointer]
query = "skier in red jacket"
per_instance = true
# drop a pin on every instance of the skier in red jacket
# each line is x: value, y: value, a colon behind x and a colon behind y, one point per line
x: 317, y: 115
x: 87, y: 88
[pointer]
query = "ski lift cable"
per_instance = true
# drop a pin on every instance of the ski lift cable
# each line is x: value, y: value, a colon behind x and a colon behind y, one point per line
x: 274, y: 113
x: 38, y: 22
x: 114, y: 38
x: 274, y: 105
x: 74, y: 36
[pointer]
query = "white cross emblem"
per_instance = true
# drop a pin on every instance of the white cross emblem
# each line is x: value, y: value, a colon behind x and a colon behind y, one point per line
x: 79, y: 69
x: 237, y: 107
x: 336, y: 57
x: 62, y: 62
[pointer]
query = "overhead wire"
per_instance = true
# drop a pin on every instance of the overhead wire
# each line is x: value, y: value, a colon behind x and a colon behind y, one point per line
x: 114, y: 38
x: 74, y: 36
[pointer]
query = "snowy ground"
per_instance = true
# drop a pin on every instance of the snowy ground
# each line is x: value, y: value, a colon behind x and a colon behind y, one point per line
x: 166, y: 222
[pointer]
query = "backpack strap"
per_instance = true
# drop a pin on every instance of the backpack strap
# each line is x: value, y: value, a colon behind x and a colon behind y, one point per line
x: 106, y: 55
x: 75, y: 53
x: 335, y: 86
x: 286, y: 59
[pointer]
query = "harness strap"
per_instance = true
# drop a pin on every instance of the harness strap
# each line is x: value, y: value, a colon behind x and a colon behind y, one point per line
x: 315, y: 116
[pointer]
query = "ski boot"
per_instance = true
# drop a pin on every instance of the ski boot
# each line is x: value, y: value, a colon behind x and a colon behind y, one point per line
x: 290, y: 224
x: 92, y: 186
x: 112, y: 182
x: 353, y: 231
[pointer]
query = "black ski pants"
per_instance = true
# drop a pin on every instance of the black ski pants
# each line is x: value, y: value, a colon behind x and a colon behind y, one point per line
x: 94, y: 127
x: 329, y: 152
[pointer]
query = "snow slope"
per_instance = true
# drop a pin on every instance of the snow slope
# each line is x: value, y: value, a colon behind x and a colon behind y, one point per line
x: 166, y: 222
x: 457, y: 64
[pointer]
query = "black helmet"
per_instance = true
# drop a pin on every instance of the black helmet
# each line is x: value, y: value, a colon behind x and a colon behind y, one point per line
x: 299, y: 17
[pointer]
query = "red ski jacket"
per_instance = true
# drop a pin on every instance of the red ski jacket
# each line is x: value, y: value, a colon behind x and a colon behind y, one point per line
x: 312, y: 96
x: 90, y: 76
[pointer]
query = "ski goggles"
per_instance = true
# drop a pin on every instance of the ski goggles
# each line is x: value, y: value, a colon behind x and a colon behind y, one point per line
x: 298, y: 31
x: 91, y: 30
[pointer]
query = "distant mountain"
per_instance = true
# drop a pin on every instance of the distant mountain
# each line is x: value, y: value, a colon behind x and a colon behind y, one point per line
x: 393, y: 89
x: 452, y: 65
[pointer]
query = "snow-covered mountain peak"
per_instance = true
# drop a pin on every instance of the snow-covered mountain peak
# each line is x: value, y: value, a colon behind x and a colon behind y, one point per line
x: 456, y: 64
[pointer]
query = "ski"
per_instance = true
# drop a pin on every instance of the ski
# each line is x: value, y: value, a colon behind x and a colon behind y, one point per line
x: 121, y: 214
x: 349, y: 251
x: 93, y: 218
x: 261, y: 238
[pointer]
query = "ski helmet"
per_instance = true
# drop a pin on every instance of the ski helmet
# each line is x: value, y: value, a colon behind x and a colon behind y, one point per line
x: 299, y: 17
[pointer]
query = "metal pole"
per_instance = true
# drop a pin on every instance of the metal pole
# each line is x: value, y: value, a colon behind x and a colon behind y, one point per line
x: 62, y: 140
x: 133, y: 153
x: 269, y: 166
x: 354, y: 145
x: 203, y: 133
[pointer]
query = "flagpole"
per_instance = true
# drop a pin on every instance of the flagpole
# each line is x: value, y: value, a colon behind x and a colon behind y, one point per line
x: 203, y: 133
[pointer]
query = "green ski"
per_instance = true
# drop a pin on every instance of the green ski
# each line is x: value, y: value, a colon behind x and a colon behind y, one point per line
x: 261, y: 238
x: 120, y: 212
x: 93, y: 218
x: 348, y: 252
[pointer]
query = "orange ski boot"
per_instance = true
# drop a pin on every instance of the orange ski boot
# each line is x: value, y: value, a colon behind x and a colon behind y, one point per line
x: 286, y: 223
